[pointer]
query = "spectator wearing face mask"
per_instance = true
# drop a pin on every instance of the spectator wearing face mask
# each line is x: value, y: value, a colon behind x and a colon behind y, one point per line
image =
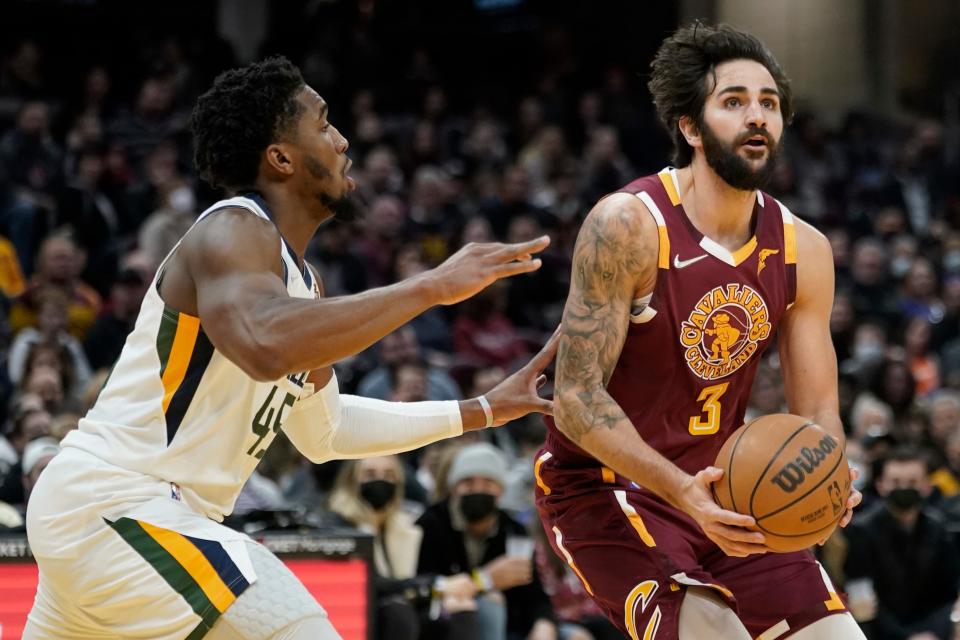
x: 368, y: 495
x: 468, y: 532
x: 902, y: 569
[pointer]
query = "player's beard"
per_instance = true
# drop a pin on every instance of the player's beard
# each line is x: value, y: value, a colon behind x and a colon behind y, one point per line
x: 343, y: 208
x: 727, y: 163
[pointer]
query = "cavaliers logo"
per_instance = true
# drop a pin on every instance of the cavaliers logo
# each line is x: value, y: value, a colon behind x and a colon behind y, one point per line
x: 724, y: 330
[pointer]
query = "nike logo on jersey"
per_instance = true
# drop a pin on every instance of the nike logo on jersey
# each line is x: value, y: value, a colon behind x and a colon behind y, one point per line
x: 680, y: 264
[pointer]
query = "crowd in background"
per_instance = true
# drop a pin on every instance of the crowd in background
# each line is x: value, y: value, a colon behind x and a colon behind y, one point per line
x: 97, y: 185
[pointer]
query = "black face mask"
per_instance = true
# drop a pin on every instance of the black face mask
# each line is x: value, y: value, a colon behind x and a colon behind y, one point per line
x: 378, y: 493
x: 477, y: 506
x: 904, y: 499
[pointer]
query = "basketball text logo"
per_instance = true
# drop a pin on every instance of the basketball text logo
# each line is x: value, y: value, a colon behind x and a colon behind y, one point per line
x: 793, y: 473
x: 724, y: 330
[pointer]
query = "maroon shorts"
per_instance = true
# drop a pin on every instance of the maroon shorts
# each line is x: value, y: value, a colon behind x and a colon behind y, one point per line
x: 636, y: 555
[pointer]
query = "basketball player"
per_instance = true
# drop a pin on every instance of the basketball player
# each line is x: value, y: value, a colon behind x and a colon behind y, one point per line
x: 234, y: 343
x: 680, y: 281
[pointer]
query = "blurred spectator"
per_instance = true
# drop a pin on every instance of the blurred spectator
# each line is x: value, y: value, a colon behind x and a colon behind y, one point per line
x: 90, y: 214
x: 395, y: 349
x: 469, y: 533
x: 59, y: 265
x: 109, y: 331
x: 903, y: 569
x: 152, y: 120
x: 383, y: 234
x: 332, y: 253
x: 33, y: 165
x: 36, y: 456
x: 29, y: 421
x: 51, y: 331
x: 381, y: 174
x: 514, y: 198
x: 368, y: 495
x: 919, y: 296
x: 482, y: 333
x: 869, y: 287
x: 433, y: 218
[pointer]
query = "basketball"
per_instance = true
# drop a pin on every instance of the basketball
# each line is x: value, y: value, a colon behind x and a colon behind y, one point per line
x: 789, y: 474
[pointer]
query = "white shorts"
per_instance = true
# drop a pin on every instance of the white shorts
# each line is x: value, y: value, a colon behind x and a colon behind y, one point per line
x: 120, y: 556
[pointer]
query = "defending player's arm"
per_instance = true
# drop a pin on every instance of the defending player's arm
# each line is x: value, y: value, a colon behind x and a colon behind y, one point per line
x: 806, y: 350
x: 232, y: 260
x: 615, y: 258
x: 328, y: 425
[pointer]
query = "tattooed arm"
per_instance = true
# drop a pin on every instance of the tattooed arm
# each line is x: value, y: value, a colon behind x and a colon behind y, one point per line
x: 615, y: 261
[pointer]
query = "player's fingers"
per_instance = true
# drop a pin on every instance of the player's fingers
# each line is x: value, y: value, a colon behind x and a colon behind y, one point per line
x: 855, y: 498
x: 516, y: 268
x: 543, y: 406
x: 847, y: 517
x: 740, y: 535
x: 541, y: 380
x: 515, y: 251
x: 709, y: 475
x: 540, y: 361
x: 733, y: 518
x: 749, y: 549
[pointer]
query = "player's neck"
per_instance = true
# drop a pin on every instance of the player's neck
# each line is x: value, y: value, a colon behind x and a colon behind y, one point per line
x: 716, y: 209
x: 287, y: 210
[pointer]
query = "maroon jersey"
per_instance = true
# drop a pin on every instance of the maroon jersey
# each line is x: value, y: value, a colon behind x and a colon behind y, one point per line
x: 693, y: 346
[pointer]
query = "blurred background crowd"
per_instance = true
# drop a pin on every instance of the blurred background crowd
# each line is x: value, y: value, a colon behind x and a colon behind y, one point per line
x: 475, y: 121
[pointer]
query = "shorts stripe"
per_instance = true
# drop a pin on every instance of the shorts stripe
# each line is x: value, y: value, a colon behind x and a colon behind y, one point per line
x: 222, y: 563
x: 194, y: 563
x: 635, y: 520
x: 569, y: 558
x: 536, y: 472
x: 169, y: 569
x: 834, y: 603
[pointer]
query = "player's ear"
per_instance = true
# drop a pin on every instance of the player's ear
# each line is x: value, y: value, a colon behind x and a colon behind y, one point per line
x: 691, y: 132
x: 278, y: 158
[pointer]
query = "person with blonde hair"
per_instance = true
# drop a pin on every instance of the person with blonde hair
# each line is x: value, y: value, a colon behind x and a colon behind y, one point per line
x: 368, y: 494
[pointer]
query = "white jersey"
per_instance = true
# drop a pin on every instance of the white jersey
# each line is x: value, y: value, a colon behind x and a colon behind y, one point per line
x: 176, y: 409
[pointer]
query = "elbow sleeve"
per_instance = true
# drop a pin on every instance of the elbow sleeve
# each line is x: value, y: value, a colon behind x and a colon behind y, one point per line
x: 327, y: 425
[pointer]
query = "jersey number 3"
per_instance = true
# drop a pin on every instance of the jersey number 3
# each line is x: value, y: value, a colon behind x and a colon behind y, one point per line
x: 701, y: 425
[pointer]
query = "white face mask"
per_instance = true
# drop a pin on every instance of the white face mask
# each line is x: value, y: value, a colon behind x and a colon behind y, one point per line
x: 182, y: 200
x: 868, y: 351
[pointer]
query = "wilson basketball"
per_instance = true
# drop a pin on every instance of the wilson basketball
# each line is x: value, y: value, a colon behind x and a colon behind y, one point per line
x: 789, y: 474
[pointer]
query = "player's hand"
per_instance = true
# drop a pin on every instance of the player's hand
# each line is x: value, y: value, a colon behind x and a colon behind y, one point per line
x: 509, y: 571
x: 727, y: 529
x: 852, y: 501
x: 517, y: 396
x: 478, y: 265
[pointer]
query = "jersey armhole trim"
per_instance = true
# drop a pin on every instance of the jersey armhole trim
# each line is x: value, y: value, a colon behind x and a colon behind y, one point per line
x: 663, y: 256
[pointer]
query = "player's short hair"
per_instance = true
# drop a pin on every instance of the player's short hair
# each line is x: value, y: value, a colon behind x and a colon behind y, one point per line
x: 245, y: 111
x: 678, y: 82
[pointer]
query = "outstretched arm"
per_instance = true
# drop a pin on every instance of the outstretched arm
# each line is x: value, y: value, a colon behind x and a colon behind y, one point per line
x: 615, y: 258
x: 328, y: 425
x: 806, y: 350
x: 232, y: 260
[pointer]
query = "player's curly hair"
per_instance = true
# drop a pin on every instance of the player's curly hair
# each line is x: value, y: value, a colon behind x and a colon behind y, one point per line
x: 678, y: 82
x: 244, y: 111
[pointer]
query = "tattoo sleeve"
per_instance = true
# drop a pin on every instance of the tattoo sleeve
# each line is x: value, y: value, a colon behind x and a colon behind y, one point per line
x: 611, y: 257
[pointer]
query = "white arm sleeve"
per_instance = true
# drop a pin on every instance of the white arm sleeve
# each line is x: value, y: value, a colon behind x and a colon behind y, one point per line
x: 327, y: 426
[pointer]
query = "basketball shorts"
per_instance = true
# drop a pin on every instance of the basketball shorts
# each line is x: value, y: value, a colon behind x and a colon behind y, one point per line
x: 121, y: 556
x: 635, y: 556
